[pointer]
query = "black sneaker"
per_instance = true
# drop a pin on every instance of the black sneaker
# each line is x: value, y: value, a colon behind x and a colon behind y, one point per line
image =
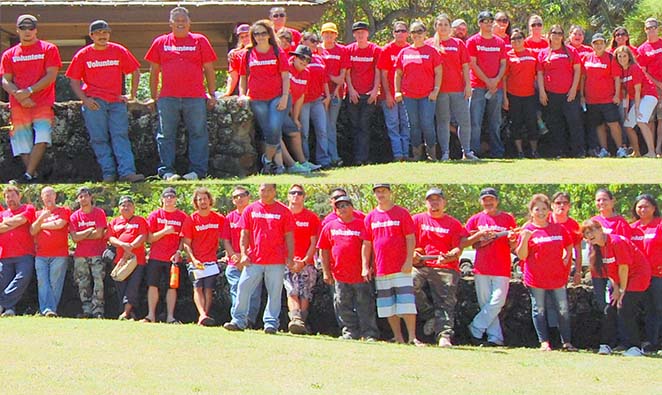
x: 24, y: 179
x: 230, y: 326
x: 270, y: 330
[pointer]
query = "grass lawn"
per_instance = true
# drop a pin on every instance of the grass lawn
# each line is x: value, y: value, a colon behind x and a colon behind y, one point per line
x: 57, y: 356
x: 504, y: 171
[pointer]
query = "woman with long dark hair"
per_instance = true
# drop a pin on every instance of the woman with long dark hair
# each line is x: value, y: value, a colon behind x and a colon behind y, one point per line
x: 234, y: 58
x: 620, y: 37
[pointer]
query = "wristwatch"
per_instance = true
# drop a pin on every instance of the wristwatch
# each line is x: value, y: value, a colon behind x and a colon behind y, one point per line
x: 29, y: 89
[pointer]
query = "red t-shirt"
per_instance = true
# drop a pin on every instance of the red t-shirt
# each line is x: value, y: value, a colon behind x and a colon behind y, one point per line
x: 336, y: 59
x: 332, y: 216
x: 388, y: 230
x: 232, y: 232
x: 298, y: 82
x: 454, y: 55
x: 181, y: 61
x: 613, y: 225
x: 583, y: 49
x: 521, y: 72
x: 493, y: 259
x: 599, y: 72
x: 387, y: 60
x: 558, y: 68
x: 417, y: 65
x: 204, y: 233
x: 362, y: 63
x: 306, y: 225
x: 648, y: 238
x: 54, y: 243
x: 80, y: 221
x: 544, y: 266
x: 345, y: 241
x: 166, y: 246
x: 316, y: 79
x: 267, y: 225
x: 18, y: 241
x: 634, y: 76
x: 649, y: 56
x: 488, y: 53
x: 572, y: 227
x: 439, y: 235
x: 535, y: 46
x: 264, y: 80
x: 102, y: 70
x: 27, y: 65
x: 128, y: 230
x: 620, y: 251
x: 234, y: 59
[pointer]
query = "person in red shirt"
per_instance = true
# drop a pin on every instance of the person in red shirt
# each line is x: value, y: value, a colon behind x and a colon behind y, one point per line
x: 395, y: 113
x: 201, y: 234
x: 536, y: 41
x: 344, y: 252
x: 337, y: 62
x: 29, y: 70
x: 520, y: 100
x: 333, y: 196
x: 50, y: 231
x: 488, y: 65
x: 96, y: 76
x: 128, y: 234
x: 267, y: 247
x: 417, y: 84
x: 620, y: 36
x: 231, y: 235
x: 16, y: 250
x: 452, y: 101
x: 278, y: 17
x: 502, y: 28
x: 492, y: 236
x: 647, y: 235
x: 300, y: 280
x: 183, y: 60
x: 629, y: 273
x: 437, y: 233
x: 576, y: 40
x: 265, y: 79
x: 234, y: 59
x: 165, y: 229
x: 649, y: 57
x: 391, y: 237
x: 559, y: 70
x: 600, y: 86
x: 87, y: 227
x: 459, y: 29
x: 561, y: 204
x: 640, y: 98
x: 363, y: 82
x: 545, y: 253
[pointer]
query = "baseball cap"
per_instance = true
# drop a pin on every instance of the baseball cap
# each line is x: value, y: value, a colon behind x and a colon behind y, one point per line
x: 375, y: 186
x: 99, y: 24
x: 125, y: 199
x: 488, y: 192
x: 26, y: 20
x: 434, y: 191
x: 485, y: 15
x: 169, y: 191
x: 82, y: 190
x: 302, y: 50
x: 243, y: 28
x: 329, y: 27
x: 598, y: 37
x: 650, y: 21
x: 360, y: 26
x: 458, y: 22
x: 343, y: 199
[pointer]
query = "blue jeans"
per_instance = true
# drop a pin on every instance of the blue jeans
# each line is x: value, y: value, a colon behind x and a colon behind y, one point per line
x: 491, y: 292
x: 315, y: 112
x: 397, y: 126
x: 232, y: 275
x: 600, y: 293
x: 453, y: 104
x: 538, y: 312
x: 360, y: 115
x: 128, y: 290
x: 332, y: 128
x: 478, y: 107
x: 15, y: 276
x: 269, y: 119
x: 194, y: 111
x: 421, y: 121
x: 51, y: 272
x: 654, y: 311
x: 251, y: 276
x: 109, y: 135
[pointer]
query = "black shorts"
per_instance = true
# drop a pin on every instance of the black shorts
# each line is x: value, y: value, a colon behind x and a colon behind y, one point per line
x: 597, y: 114
x: 156, y: 270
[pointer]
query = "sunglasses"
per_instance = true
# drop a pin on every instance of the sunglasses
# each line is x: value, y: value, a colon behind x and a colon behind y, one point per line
x: 536, y: 24
x: 313, y: 41
x: 169, y: 196
x: 400, y: 31
x: 24, y: 28
x: 418, y: 31
x: 502, y: 20
x: 304, y: 58
x: 651, y: 27
x: 487, y: 21
x: 556, y: 33
x: 300, y: 193
x: 261, y: 34
x: 281, y: 15
x: 239, y: 195
x: 562, y: 203
x: 620, y: 35
x: 343, y: 205
x: 517, y: 38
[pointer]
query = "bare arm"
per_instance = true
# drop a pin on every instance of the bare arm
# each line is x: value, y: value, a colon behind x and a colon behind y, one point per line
x: 12, y: 223
x: 154, y: 72
x: 326, y: 266
x: 366, y: 252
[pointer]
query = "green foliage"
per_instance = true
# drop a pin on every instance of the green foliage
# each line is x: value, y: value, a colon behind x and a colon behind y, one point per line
x: 634, y: 21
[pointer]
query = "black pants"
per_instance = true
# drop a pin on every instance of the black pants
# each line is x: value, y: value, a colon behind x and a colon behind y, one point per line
x: 627, y: 313
x: 360, y: 115
x: 523, y: 119
x: 566, y: 125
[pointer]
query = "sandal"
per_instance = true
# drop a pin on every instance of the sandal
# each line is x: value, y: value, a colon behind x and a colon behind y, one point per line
x: 569, y: 347
x: 174, y: 321
x: 146, y: 320
x: 545, y: 347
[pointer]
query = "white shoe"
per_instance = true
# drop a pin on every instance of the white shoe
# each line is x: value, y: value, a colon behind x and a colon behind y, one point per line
x: 604, y: 349
x: 633, y: 352
x: 171, y: 177
x: 428, y: 328
x: 603, y: 153
x: 445, y: 342
x: 9, y: 313
x: 192, y: 176
x: 470, y: 156
x: 621, y: 153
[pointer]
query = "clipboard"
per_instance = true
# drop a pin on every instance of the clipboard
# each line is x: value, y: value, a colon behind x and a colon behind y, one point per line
x: 211, y: 269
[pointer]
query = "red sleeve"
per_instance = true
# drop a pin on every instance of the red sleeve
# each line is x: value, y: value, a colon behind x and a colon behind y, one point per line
x: 283, y: 64
x: 575, y: 56
x: 344, y: 59
x: 398, y: 61
x: 154, y: 52
x: 142, y: 226
x: 245, y: 219
x: 187, y: 228
x: 29, y: 213
x: 471, y: 47
x: 53, y: 57
x: 368, y: 228
x: 243, y: 62
x: 129, y: 62
x: 315, y: 223
x: 615, y: 67
x: 221, y: 223
x: 642, y: 59
x: 377, y: 53
x: 462, y: 51
x: 407, y: 223
x: 111, y: 229
x: 208, y: 54
x: 503, y: 53
x: 288, y: 224
x: 541, y: 59
x: 384, y: 62
x: 323, y: 243
x: 622, y: 251
x: 152, y: 224
x: 567, y: 238
x: 471, y: 225
x: 436, y: 58
x: 101, y: 220
x: 75, y: 69
x: 226, y: 234
x: 6, y: 66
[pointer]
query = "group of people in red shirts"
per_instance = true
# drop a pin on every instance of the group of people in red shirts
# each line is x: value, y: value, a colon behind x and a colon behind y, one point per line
x: 386, y: 263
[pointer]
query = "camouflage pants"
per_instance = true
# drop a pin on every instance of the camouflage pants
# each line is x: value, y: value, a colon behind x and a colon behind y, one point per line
x: 87, y: 270
x: 435, y: 291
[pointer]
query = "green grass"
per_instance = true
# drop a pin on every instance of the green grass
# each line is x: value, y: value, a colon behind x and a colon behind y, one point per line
x: 504, y: 171
x: 56, y: 356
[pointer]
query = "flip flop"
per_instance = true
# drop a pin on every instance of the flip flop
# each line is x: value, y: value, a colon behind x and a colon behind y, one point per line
x: 174, y: 322
x: 146, y: 320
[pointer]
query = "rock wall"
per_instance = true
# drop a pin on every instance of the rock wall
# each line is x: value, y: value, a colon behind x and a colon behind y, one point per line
x: 515, y: 316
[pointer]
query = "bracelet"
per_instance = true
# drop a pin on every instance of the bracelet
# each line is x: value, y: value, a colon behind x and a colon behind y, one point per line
x: 30, y: 90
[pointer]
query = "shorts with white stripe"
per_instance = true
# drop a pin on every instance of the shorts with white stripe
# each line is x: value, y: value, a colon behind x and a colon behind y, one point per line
x: 395, y: 295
